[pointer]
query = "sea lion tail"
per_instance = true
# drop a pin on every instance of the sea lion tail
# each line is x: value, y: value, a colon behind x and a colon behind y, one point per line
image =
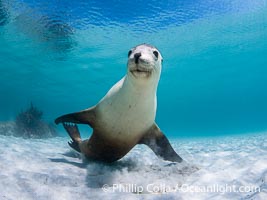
x: 74, y: 134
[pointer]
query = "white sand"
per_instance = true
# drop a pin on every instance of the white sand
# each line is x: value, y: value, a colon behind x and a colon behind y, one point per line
x: 48, y: 169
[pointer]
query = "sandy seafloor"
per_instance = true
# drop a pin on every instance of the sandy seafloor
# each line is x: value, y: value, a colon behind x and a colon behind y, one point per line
x: 48, y: 169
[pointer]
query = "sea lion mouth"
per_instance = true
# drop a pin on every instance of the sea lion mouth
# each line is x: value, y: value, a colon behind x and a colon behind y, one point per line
x: 137, y: 72
x: 141, y: 70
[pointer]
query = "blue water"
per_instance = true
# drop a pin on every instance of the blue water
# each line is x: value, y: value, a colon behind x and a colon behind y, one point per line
x: 64, y: 56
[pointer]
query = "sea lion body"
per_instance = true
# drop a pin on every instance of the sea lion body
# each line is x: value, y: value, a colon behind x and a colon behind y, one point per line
x: 126, y: 114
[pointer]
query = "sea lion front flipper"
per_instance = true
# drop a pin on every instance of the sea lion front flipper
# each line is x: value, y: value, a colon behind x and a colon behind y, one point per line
x: 83, y: 117
x: 160, y: 145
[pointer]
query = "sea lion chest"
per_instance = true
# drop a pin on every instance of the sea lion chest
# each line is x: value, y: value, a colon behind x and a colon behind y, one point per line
x: 126, y: 113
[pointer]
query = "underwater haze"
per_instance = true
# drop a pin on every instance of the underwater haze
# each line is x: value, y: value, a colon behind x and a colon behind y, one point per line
x: 64, y: 56
x: 58, y: 57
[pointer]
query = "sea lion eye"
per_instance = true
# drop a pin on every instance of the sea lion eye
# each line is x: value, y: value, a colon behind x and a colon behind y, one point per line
x: 129, y: 53
x: 156, y: 54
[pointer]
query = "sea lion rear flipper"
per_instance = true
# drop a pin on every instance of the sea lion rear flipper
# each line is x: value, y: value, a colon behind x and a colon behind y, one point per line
x: 74, y: 133
x: 160, y: 145
x: 83, y: 117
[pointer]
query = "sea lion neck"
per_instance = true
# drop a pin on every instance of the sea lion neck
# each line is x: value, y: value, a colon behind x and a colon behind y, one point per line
x: 147, y: 87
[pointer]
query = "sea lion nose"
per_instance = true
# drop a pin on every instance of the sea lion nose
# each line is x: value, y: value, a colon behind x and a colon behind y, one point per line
x: 136, y: 57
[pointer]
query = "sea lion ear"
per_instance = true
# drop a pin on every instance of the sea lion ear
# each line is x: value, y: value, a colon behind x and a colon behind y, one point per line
x: 160, y: 145
x: 83, y: 117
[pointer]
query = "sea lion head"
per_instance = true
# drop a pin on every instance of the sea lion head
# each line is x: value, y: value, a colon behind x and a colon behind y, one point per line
x: 144, y: 62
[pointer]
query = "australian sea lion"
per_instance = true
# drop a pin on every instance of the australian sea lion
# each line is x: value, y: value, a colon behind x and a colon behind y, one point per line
x: 126, y: 114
